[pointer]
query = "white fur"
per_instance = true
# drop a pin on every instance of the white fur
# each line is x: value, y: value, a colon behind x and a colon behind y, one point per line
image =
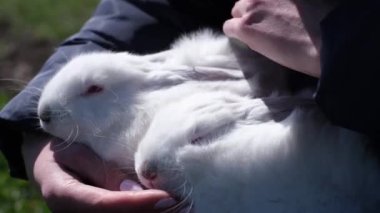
x: 112, y: 122
x: 189, y: 112
x: 300, y: 164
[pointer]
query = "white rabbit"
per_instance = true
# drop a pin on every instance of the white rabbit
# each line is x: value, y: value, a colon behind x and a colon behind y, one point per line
x: 226, y: 153
x: 106, y: 100
x: 189, y: 118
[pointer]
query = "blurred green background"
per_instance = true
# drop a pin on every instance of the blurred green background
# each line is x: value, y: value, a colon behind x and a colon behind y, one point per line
x: 29, y: 31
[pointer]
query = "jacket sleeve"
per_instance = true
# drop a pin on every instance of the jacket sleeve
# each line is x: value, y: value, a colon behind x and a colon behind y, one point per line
x: 117, y: 25
x: 348, y: 87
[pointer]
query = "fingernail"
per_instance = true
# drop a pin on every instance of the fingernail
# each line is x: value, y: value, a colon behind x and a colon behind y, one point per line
x: 129, y: 185
x: 165, y: 203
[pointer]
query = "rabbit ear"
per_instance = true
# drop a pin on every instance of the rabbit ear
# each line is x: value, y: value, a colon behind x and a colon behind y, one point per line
x: 182, y: 73
x: 205, y: 133
x: 164, y: 78
x: 216, y: 73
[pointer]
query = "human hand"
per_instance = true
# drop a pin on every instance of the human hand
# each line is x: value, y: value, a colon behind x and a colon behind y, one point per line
x: 57, y: 176
x: 285, y: 31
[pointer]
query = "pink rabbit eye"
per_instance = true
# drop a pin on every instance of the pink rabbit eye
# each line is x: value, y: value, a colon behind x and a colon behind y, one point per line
x: 197, y: 141
x: 93, y: 89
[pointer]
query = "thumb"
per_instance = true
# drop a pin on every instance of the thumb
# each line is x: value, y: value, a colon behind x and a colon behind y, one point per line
x: 78, y: 197
x: 231, y: 27
x: 240, y: 29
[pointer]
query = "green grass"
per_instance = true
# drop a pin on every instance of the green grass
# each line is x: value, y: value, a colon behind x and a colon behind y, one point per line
x: 17, y: 195
x: 51, y: 20
x: 3, y: 99
x: 46, y: 19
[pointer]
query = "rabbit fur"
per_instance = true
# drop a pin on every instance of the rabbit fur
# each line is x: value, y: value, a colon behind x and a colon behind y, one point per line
x: 215, y: 125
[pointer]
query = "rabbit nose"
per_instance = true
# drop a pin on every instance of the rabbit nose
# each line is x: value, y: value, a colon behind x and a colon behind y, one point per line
x: 149, y: 171
x: 45, y: 115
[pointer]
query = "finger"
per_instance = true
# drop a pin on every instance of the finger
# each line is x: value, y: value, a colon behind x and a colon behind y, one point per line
x: 89, y: 166
x: 245, y: 31
x: 236, y: 10
x: 243, y: 6
x: 240, y: 8
x: 232, y: 27
x: 78, y: 197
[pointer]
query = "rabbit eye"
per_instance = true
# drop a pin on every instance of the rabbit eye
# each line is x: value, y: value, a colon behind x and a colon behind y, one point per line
x: 93, y: 89
x: 197, y: 141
